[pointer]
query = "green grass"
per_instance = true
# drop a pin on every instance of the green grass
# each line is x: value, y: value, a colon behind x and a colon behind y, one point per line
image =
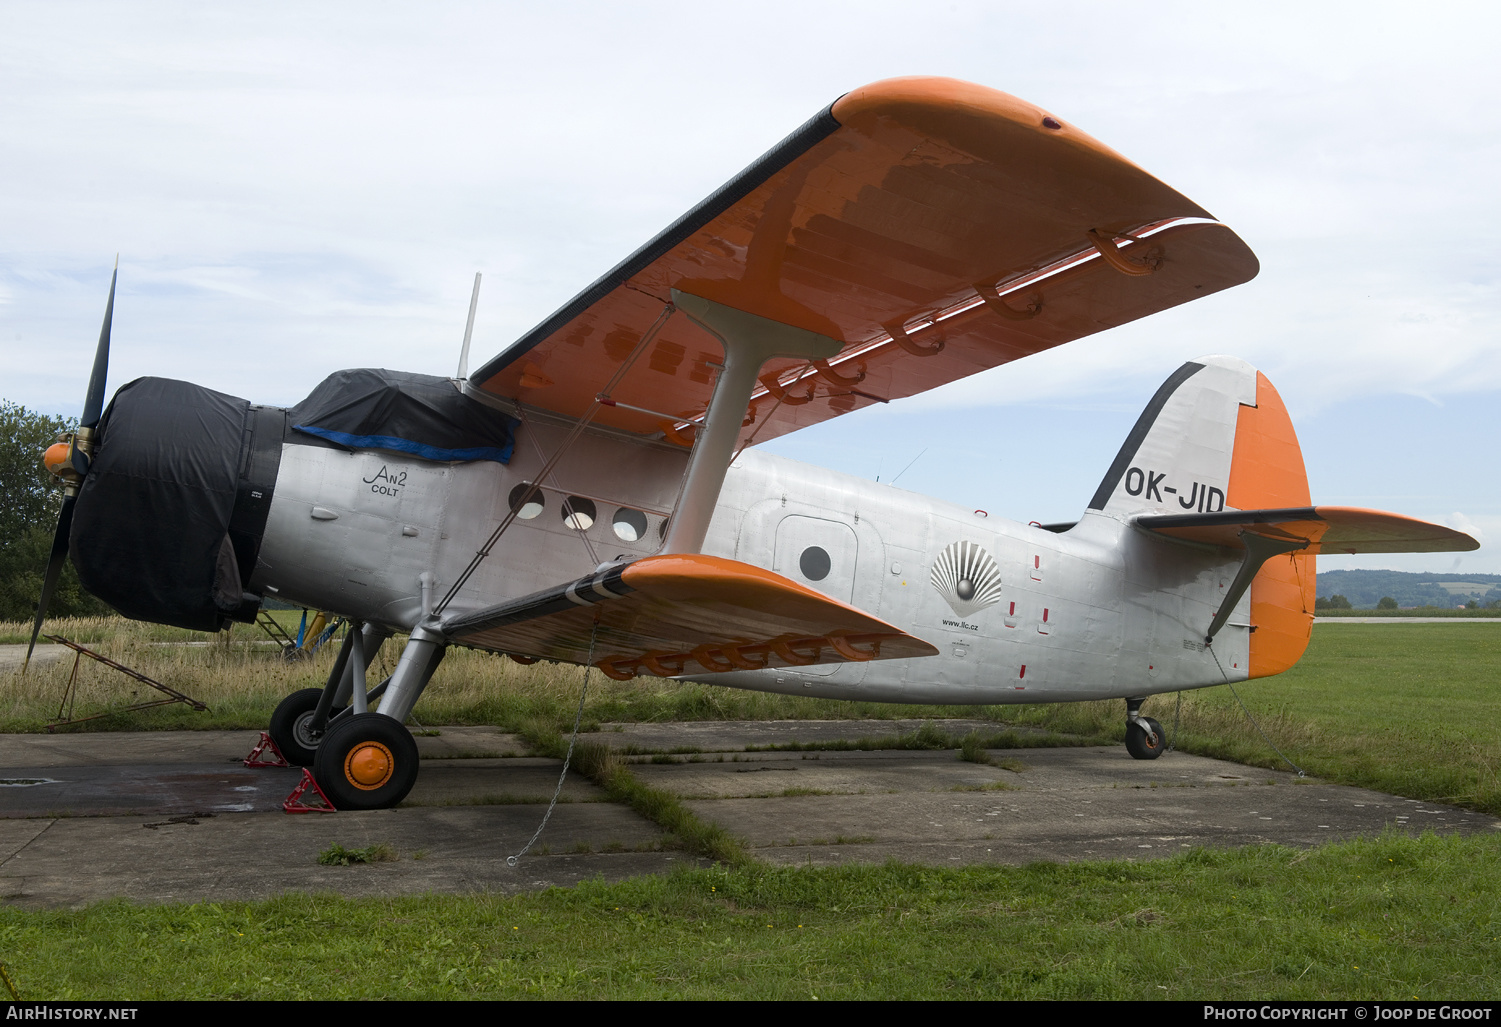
x: 337, y: 855
x: 932, y: 736
x: 1390, y: 918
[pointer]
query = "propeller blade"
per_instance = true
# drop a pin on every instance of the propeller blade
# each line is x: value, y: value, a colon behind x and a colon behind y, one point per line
x: 93, y: 404
x: 93, y: 411
x: 54, y: 571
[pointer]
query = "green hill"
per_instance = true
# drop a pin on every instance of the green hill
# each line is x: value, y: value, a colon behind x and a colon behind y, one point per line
x: 1365, y: 589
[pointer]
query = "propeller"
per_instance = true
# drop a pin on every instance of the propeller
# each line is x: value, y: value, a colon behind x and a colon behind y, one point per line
x: 69, y: 460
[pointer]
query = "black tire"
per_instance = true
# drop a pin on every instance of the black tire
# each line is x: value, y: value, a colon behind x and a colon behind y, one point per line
x: 366, y: 761
x: 289, y: 727
x: 1140, y: 745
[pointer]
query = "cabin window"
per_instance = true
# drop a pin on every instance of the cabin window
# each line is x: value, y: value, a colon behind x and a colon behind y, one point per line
x: 579, y: 513
x: 533, y: 505
x: 629, y: 525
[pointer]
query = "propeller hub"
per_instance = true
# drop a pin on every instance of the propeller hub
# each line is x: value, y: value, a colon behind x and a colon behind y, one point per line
x: 67, y: 459
x: 56, y: 459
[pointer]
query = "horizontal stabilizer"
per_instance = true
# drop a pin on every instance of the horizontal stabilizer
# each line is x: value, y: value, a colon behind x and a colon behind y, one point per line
x: 671, y: 615
x: 1326, y: 529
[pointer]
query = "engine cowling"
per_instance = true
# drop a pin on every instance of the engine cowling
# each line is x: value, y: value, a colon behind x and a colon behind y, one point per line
x: 169, y: 520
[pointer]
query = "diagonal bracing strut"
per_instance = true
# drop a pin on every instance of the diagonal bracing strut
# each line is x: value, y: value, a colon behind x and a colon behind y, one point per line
x: 1259, y: 549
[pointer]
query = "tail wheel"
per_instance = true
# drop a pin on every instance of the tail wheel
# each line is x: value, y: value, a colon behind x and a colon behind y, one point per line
x: 1145, y: 744
x: 291, y: 730
x: 366, y: 761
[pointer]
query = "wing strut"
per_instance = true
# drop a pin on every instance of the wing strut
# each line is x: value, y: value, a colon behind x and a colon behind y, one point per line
x: 749, y: 341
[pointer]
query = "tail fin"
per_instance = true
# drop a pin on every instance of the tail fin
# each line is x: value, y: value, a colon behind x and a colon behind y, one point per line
x: 1215, y: 437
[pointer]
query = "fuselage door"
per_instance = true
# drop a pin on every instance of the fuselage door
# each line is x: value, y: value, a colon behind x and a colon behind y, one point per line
x: 818, y: 553
x: 821, y: 554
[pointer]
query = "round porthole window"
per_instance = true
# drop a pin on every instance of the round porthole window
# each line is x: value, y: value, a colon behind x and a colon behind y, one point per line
x: 814, y: 563
x: 629, y: 524
x: 533, y: 505
x: 579, y: 513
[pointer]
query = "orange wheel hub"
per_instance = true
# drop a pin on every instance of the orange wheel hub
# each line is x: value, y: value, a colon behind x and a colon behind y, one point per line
x: 369, y: 765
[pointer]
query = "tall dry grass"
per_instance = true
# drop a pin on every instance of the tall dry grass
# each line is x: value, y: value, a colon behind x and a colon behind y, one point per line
x: 241, y: 676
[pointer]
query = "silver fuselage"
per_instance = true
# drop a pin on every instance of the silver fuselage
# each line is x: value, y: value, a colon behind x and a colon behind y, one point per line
x: 1102, y: 610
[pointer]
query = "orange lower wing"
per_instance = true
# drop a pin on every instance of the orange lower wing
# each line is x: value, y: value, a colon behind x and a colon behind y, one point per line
x: 1327, y: 529
x: 671, y: 615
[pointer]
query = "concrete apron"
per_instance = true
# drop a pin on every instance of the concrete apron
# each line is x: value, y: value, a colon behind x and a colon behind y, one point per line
x: 174, y: 817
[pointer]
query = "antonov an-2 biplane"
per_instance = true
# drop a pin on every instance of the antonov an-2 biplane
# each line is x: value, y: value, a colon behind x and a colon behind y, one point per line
x: 591, y: 495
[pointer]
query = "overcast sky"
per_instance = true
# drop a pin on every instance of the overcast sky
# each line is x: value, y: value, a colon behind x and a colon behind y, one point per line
x: 298, y: 188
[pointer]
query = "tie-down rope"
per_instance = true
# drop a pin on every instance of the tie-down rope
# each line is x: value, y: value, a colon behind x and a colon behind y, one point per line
x: 512, y: 861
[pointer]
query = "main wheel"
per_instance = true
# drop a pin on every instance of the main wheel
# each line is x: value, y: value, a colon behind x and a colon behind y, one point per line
x: 290, y: 727
x: 1144, y: 746
x: 366, y: 761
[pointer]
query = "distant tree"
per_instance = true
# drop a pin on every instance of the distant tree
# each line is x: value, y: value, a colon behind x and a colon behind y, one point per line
x: 1473, y: 604
x: 28, y: 517
x: 32, y: 496
x: 1336, y: 602
x: 1387, y: 603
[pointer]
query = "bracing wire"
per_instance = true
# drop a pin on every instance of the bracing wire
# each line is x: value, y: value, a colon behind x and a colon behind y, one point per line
x: 1264, y: 738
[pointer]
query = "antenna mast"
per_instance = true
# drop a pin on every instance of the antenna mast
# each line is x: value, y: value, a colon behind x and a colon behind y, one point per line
x: 468, y: 331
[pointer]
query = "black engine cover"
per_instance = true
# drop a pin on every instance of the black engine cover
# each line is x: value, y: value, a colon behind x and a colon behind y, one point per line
x: 169, y: 520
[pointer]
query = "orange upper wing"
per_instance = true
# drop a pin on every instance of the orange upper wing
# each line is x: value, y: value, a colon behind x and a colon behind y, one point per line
x: 934, y: 227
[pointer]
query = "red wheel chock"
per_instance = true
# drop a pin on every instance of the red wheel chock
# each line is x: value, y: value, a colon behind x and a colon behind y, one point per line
x: 257, y: 757
x: 294, y: 803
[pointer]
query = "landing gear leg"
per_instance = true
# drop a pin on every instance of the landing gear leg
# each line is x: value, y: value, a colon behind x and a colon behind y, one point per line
x: 301, y: 720
x: 368, y: 760
x: 1145, y: 739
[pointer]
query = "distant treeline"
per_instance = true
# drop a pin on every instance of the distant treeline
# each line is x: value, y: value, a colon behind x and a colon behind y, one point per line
x: 1365, y: 589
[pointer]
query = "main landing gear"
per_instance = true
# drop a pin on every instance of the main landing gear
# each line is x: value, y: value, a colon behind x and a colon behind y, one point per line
x: 366, y: 761
x: 1145, y: 739
x: 361, y: 759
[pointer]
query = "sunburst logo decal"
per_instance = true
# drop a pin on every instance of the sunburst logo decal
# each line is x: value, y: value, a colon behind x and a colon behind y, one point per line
x: 967, y: 578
